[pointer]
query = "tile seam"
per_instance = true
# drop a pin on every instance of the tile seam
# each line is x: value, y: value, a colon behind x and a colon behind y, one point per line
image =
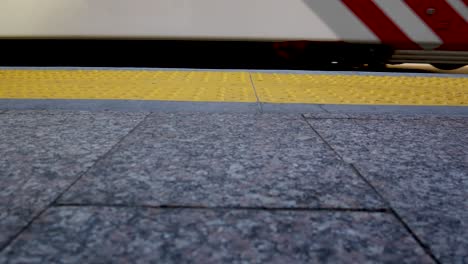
x: 233, y: 208
x: 323, y: 108
x: 347, y: 163
x: 398, y: 218
x: 387, y: 203
x: 79, y: 176
x: 259, y: 103
x: 107, y: 153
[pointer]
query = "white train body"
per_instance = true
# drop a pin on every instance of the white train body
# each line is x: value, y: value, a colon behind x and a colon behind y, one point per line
x: 429, y: 27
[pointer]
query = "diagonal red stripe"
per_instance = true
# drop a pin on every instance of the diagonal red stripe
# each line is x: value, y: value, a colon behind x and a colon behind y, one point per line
x: 466, y: 2
x: 382, y: 26
x: 446, y: 22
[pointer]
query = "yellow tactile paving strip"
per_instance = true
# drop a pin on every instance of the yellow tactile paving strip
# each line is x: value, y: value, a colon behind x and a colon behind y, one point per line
x: 127, y: 85
x: 198, y: 86
x: 359, y: 89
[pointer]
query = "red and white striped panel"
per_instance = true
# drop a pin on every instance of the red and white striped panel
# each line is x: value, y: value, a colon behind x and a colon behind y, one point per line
x: 403, y: 24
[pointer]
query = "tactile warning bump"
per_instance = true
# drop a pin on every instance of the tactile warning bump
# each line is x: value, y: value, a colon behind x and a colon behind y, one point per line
x: 360, y: 89
x: 127, y: 85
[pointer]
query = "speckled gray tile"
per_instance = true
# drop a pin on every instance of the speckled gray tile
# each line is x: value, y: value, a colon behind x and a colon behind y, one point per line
x: 41, y: 153
x: 224, y: 160
x: 123, y: 235
x: 420, y: 166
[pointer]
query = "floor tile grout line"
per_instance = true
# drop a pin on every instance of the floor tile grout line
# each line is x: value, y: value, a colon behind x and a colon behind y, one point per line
x: 80, y: 176
x: 323, y: 108
x: 233, y: 208
x: 426, y: 248
x: 259, y: 103
x: 349, y: 164
x: 101, y: 158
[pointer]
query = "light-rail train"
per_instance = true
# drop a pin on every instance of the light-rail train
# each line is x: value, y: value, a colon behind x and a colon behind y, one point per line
x: 387, y: 31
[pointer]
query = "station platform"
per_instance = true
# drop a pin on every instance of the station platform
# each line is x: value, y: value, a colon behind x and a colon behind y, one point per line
x: 131, y: 165
x: 150, y: 89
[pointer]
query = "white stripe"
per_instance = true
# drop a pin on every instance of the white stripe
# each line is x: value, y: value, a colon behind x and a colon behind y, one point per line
x: 342, y: 21
x: 409, y: 22
x: 460, y: 7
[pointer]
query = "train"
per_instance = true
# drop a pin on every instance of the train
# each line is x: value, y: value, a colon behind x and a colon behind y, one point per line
x: 380, y: 31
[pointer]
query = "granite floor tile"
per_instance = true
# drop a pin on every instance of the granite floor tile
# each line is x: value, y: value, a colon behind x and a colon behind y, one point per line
x: 42, y: 152
x: 130, y: 235
x: 223, y: 160
x: 420, y: 166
